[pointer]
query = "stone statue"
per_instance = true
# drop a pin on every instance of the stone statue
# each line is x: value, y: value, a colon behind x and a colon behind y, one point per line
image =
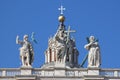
x: 61, y: 46
x: 26, y: 51
x: 94, y: 59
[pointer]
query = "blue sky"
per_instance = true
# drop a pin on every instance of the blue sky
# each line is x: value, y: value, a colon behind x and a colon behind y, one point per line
x: 100, y: 18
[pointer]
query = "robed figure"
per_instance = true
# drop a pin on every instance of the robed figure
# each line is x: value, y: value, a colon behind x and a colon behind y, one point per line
x: 94, y: 59
x: 61, y: 46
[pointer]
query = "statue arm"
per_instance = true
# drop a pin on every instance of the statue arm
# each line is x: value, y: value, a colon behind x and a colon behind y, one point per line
x: 87, y: 46
x: 96, y: 43
x: 18, y: 41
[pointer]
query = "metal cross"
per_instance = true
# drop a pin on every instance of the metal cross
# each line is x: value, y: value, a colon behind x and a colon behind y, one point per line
x: 61, y: 9
x: 68, y: 33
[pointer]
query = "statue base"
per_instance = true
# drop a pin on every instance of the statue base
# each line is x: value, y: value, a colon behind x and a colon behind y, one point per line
x: 93, y: 71
x: 60, y: 65
x: 26, y: 66
x: 56, y: 65
x: 26, y: 70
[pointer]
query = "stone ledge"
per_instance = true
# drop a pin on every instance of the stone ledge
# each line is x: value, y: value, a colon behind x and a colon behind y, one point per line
x: 25, y: 77
x: 87, y: 77
x: 25, y: 67
x: 93, y: 68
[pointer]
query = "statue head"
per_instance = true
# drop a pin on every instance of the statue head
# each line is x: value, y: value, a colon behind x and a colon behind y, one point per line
x: 25, y: 37
x: 92, y: 39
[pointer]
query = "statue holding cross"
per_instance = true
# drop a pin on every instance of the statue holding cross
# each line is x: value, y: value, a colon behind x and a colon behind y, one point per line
x: 71, y: 51
x: 68, y: 33
x: 63, y: 43
x: 94, y: 57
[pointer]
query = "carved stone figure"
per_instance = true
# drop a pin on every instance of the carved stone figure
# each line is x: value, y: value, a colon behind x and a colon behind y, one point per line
x: 72, y: 53
x: 94, y: 59
x: 26, y: 51
x: 61, y: 46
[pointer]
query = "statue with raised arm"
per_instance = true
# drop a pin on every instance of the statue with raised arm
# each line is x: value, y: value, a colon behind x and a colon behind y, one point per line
x: 94, y: 59
x: 26, y: 51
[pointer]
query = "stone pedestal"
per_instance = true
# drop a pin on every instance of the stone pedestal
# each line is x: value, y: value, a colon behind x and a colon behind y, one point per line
x: 26, y: 71
x: 93, y: 74
x: 93, y: 71
x: 26, y: 74
x: 116, y: 73
x: 59, y: 69
x: 59, y: 72
x: 59, y: 65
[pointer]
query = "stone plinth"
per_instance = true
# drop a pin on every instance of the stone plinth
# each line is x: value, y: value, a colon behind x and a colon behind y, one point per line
x: 59, y: 65
x: 93, y: 71
x: 59, y: 72
x: 26, y: 71
x: 59, y: 69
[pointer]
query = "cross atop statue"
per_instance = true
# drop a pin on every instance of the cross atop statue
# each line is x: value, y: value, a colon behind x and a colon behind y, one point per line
x: 61, y: 9
x: 68, y: 33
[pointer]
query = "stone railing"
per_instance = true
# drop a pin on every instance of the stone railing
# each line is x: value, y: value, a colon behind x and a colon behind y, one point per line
x: 51, y: 72
x: 110, y: 72
x: 76, y: 72
x: 10, y: 71
x: 43, y: 72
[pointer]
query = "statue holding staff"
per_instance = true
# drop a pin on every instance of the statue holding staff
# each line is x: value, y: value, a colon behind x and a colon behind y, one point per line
x: 94, y: 59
